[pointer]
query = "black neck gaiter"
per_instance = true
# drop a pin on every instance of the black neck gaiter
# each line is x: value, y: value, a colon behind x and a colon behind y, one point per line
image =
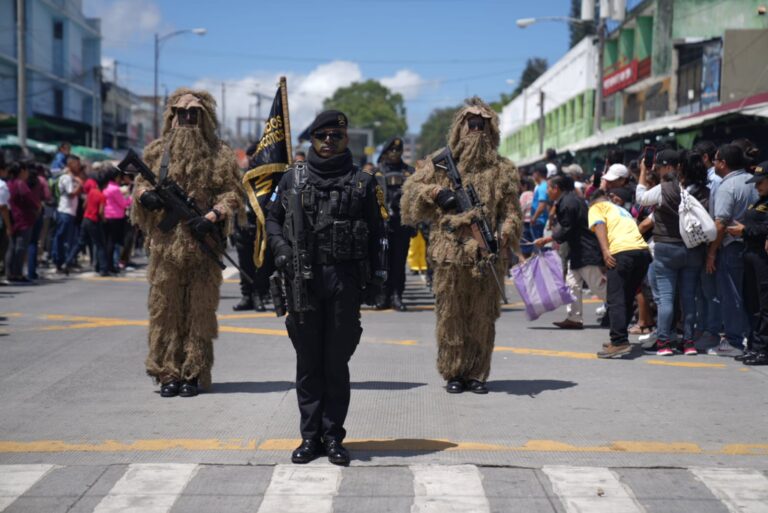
x: 335, y: 165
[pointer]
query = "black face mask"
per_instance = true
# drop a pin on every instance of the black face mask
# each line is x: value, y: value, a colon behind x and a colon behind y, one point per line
x: 187, y: 117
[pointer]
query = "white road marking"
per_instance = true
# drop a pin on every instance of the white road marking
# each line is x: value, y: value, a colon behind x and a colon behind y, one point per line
x: 17, y: 479
x: 448, y: 489
x: 148, y: 488
x: 295, y: 489
x: 741, y: 490
x: 591, y: 490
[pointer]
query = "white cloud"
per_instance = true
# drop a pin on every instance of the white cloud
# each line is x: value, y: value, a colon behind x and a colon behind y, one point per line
x: 406, y: 82
x: 120, y: 25
x: 305, y: 92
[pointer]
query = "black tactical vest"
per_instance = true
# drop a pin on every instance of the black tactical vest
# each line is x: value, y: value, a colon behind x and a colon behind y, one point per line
x: 335, y: 227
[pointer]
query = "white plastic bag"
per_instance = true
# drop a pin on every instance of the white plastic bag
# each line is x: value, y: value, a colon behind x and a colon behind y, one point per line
x: 696, y: 225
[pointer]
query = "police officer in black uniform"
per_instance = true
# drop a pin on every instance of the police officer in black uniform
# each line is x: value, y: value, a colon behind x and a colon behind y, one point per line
x: 754, y: 231
x: 244, y: 237
x: 393, y: 172
x: 343, y: 214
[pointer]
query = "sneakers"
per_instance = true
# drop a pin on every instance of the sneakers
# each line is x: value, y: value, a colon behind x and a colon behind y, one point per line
x: 663, y: 348
x: 724, y: 349
x: 706, y: 341
x: 613, y: 351
x: 647, y: 336
x: 689, y: 348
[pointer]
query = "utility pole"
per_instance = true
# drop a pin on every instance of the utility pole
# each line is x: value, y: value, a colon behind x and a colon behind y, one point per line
x: 542, y: 123
x: 155, y: 111
x: 21, y: 59
x: 114, y: 106
x: 223, y: 130
x: 95, y: 142
x: 600, y: 72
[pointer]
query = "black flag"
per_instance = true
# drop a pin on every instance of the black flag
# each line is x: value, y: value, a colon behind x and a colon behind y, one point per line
x: 268, y: 163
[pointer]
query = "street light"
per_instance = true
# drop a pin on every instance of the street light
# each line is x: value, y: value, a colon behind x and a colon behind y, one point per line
x: 600, y: 28
x: 159, y: 39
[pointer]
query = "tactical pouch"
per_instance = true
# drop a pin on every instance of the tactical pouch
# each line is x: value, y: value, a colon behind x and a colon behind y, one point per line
x: 356, y: 202
x: 342, y: 242
x: 360, y: 240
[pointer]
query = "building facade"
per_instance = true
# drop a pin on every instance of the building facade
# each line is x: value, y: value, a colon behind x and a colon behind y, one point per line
x: 63, y: 66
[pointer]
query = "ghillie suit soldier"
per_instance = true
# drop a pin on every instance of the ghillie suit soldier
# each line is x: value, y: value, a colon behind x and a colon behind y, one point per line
x: 467, y: 293
x: 184, y: 281
x: 326, y: 229
x: 393, y: 172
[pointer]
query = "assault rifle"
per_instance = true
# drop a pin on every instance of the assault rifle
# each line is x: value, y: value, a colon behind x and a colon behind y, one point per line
x: 294, y: 297
x: 467, y: 200
x: 178, y: 207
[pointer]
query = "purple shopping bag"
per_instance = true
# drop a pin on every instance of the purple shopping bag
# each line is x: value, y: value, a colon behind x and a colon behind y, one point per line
x: 541, y: 285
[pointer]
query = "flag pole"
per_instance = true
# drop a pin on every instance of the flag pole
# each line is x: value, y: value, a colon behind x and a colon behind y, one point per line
x: 286, y: 118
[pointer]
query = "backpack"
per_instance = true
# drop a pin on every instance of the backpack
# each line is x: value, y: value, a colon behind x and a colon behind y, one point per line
x: 696, y: 225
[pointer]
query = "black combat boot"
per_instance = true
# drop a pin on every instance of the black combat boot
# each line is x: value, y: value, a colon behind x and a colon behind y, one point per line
x: 258, y: 303
x: 170, y: 388
x: 246, y: 303
x: 397, y: 303
x: 337, y: 454
x: 188, y: 388
x: 307, y: 451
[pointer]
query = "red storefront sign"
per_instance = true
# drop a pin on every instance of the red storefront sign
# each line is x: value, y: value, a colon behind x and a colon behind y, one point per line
x: 621, y: 78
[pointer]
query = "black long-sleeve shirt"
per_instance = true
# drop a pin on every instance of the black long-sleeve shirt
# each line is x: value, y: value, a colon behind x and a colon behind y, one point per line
x: 756, y: 225
x: 573, y: 228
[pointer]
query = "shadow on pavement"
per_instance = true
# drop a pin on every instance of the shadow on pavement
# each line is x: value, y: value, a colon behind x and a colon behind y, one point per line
x: 403, y: 447
x: 266, y: 387
x: 531, y: 388
x: 386, y: 385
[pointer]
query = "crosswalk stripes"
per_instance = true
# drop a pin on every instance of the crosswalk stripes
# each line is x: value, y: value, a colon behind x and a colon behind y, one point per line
x: 742, y: 491
x: 17, y: 479
x: 147, y: 488
x: 593, y: 489
x: 295, y: 489
x: 448, y: 489
x: 418, y: 488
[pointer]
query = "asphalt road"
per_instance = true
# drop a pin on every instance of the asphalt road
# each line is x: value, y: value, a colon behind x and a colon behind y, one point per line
x: 83, y: 428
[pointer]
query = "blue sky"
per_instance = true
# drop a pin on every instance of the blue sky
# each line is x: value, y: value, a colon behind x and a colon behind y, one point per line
x: 435, y: 52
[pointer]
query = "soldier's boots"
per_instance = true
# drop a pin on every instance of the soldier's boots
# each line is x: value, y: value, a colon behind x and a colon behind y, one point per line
x: 258, y: 303
x: 337, y: 454
x: 397, y: 303
x: 307, y: 451
x: 382, y: 302
x: 246, y: 303
x: 188, y: 388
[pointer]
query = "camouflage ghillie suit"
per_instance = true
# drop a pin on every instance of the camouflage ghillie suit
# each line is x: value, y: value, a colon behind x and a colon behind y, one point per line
x: 184, y: 282
x: 467, y: 297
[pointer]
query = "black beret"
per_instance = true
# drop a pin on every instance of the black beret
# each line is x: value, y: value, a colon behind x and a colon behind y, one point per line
x: 395, y: 142
x: 329, y: 119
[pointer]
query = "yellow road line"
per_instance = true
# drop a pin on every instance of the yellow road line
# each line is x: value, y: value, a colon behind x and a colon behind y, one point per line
x: 11, y: 314
x: 229, y: 317
x: 692, y: 365
x: 547, y: 352
x: 252, y: 331
x: 381, y: 445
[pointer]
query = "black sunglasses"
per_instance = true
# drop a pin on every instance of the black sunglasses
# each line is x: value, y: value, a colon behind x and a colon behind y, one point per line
x: 335, y: 135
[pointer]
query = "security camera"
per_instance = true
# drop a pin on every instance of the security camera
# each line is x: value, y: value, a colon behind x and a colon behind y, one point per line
x: 761, y: 10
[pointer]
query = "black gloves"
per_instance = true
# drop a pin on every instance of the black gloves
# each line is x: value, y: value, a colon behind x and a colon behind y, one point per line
x: 283, y: 256
x: 151, y: 200
x: 446, y: 200
x: 200, y: 226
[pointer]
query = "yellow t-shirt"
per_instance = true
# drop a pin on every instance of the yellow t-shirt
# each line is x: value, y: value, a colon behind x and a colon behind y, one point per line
x: 623, y: 234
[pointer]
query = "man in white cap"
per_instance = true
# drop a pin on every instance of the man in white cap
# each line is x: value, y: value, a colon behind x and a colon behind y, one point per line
x: 617, y: 176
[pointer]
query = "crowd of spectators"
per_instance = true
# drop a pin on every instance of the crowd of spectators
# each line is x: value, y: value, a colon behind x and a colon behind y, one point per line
x: 627, y: 235
x: 69, y: 217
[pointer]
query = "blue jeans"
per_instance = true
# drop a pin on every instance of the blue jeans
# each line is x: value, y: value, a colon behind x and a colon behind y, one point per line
x: 538, y: 230
x: 730, y: 273
x: 676, y: 268
x: 63, y: 238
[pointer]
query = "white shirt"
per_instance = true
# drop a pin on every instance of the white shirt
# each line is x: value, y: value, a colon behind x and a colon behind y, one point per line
x: 67, y: 204
x: 5, y: 194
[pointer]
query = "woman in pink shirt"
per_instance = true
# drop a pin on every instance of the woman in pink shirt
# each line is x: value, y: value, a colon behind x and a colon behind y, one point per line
x: 114, y: 217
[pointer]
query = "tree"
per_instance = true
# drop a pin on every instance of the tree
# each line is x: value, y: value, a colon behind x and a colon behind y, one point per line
x: 371, y: 105
x: 434, y: 131
x: 534, y: 68
x: 580, y: 30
